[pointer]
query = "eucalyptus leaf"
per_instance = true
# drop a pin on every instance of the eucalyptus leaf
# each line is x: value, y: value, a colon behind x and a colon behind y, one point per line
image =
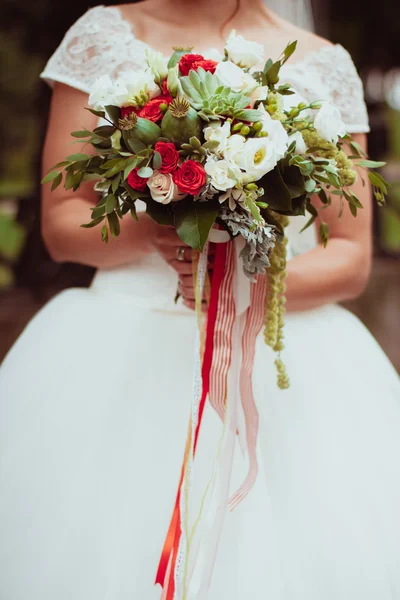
x: 145, y: 172
x: 77, y: 157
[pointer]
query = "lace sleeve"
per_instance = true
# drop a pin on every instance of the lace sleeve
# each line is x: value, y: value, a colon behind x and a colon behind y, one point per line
x: 330, y: 74
x: 97, y: 44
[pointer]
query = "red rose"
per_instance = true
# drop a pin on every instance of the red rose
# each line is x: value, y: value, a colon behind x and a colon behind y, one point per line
x: 207, y: 65
x: 127, y: 110
x: 136, y: 182
x: 169, y: 156
x: 165, y: 91
x: 151, y: 110
x: 186, y: 62
x: 190, y: 177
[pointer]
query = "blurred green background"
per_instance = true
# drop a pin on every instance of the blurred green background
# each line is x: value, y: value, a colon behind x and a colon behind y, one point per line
x: 30, y: 32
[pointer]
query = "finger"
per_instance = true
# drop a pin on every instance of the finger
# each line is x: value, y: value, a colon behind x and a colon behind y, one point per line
x: 182, y: 268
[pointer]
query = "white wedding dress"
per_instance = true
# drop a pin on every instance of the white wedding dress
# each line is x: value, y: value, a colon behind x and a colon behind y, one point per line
x: 95, y: 397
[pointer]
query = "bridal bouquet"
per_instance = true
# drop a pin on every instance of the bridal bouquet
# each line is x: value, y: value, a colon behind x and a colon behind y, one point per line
x: 214, y: 145
x: 205, y: 142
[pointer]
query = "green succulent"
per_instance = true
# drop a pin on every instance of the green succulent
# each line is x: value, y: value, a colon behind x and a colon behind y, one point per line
x: 213, y: 100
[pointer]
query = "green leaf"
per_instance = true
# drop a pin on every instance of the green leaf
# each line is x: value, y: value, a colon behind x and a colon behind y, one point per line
x: 378, y: 181
x: 267, y: 66
x: 111, y: 204
x: 115, y: 183
x: 105, y: 131
x: 98, y: 211
x: 113, y: 222
x: 93, y: 223
x: 77, y: 157
x: 134, y: 214
x: 160, y: 213
x: 114, y: 113
x: 357, y: 148
x: 81, y: 134
x: 276, y: 193
x: 56, y: 182
x: 157, y: 160
x: 135, y: 145
x: 324, y: 233
x: 323, y: 197
x: 50, y: 177
x: 253, y: 208
x: 273, y: 73
x: 97, y: 113
x: 308, y: 224
x: 104, y: 234
x: 371, y: 164
x: 193, y: 221
x: 288, y: 51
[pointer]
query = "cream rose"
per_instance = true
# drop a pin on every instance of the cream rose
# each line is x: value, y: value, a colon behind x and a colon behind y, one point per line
x: 217, y: 133
x: 277, y: 134
x: 102, y: 93
x: 329, y: 124
x: 135, y: 83
x: 242, y: 52
x: 223, y: 174
x: 163, y: 189
x: 233, y: 148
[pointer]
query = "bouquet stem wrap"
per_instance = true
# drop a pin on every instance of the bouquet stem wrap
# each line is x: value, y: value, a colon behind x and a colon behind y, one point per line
x: 223, y: 374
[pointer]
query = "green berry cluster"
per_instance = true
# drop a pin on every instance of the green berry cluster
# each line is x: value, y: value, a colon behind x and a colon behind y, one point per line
x: 275, y: 305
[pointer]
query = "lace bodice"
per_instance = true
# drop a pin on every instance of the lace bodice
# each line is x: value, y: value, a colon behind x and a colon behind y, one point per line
x: 102, y: 42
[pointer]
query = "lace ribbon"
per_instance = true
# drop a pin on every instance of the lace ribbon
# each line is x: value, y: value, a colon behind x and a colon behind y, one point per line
x: 223, y: 373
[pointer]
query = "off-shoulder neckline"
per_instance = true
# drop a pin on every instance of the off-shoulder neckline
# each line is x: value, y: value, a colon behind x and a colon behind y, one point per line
x: 307, y: 58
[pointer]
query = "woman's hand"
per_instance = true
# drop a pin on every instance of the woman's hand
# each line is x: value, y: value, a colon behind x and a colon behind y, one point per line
x: 179, y: 256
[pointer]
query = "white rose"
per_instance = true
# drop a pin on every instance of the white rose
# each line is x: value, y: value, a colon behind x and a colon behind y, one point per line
x: 329, y: 124
x: 163, y: 189
x: 213, y: 54
x: 258, y: 158
x: 157, y: 64
x: 223, y: 174
x: 230, y: 75
x: 243, y: 52
x: 233, y: 148
x: 217, y: 133
x: 260, y: 93
x: 135, y: 83
x: 102, y: 93
x: 301, y: 147
x: 277, y: 134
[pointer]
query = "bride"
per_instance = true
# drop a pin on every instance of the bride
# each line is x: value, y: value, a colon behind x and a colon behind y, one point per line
x: 94, y: 396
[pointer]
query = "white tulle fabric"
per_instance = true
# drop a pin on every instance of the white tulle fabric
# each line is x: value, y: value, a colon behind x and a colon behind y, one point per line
x: 95, y: 400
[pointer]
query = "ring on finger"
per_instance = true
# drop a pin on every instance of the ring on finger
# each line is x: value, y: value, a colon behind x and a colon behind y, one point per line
x: 180, y: 254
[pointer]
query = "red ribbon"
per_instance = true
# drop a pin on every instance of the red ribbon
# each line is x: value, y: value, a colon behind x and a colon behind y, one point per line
x: 171, y: 546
